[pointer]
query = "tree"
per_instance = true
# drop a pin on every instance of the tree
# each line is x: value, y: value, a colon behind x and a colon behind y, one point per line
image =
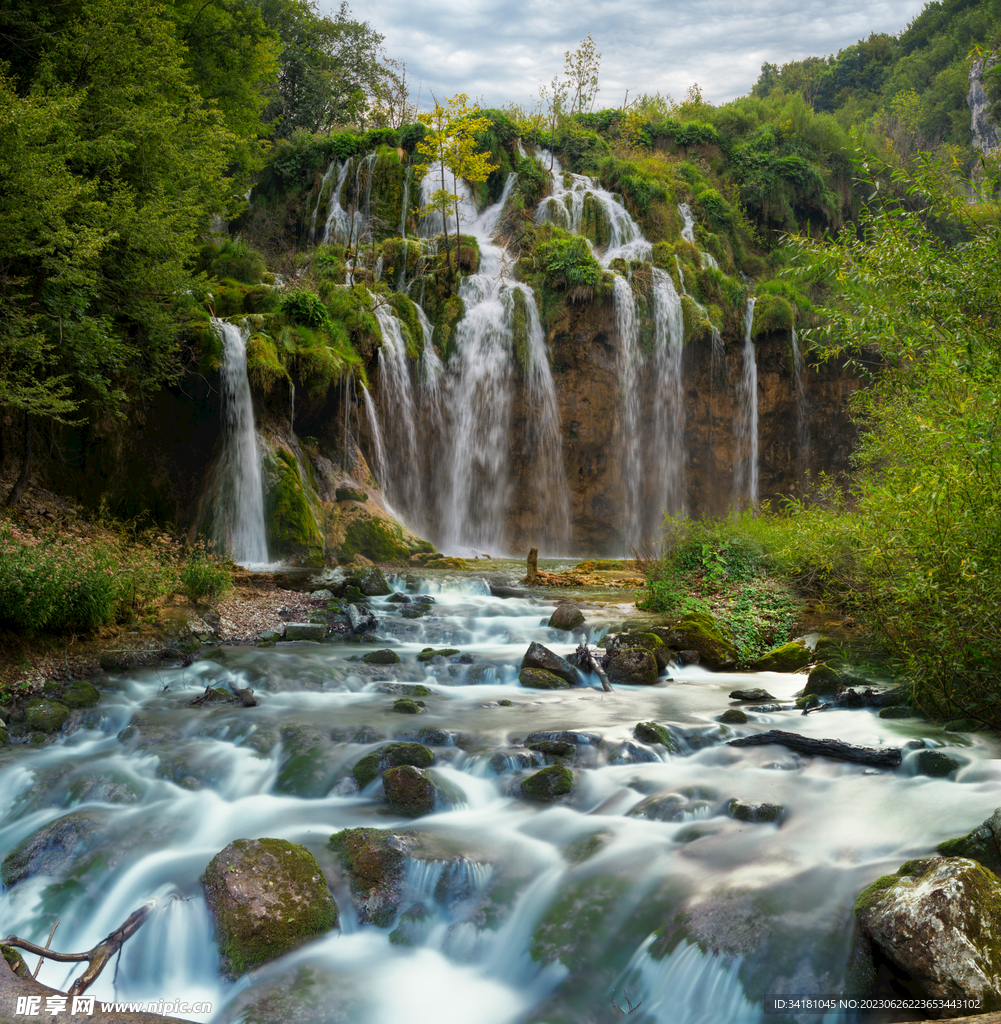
x: 581, y: 71
x: 450, y: 142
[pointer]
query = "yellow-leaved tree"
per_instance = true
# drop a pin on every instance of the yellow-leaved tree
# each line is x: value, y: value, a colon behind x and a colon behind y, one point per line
x: 450, y: 142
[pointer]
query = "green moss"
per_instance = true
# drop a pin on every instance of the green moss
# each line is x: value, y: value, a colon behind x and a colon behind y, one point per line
x: 386, y: 193
x: 367, y: 769
x: 373, y: 864
x: 79, y: 694
x: 299, y: 905
x: 574, y: 921
x: 540, y: 679
x: 699, y: 631
x: 519, y: 324
x: 379, y: 539
x: 979, y: 845
x: 429, y: 653
x: 404, y: 706
x: 873, y: 894
x: 16, y: 962
x: 406, y: 313
x: 651, y: 732
x: 443, y: 338
x: 549, y: 784
x: 786, y: 658
x: 732, y: 716
x: 822, y: 680
x: 697, y: 327
x: 45, y: 716
x: 410, y: 791
x: 383, y: 657
x: 264, y: 369
x: 288, y: 514
x: 587, y: 846
x: 772, y: 313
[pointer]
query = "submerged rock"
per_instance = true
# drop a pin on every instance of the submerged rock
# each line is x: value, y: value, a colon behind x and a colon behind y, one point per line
x: 51, y: 848
x: 566, y: 616
x: 673, y: 807
x: 786, y: 658
x: 266, y: 897
x: 939, y: 922
x: 634, y: 666
x: 753, y: 812
x: 539, y: 657
x: 549, y: 784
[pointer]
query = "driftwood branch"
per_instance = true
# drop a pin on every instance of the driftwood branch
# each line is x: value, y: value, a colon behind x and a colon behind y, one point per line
x: 879, y: 757
x: 97, y: 957
x: 587, y: 661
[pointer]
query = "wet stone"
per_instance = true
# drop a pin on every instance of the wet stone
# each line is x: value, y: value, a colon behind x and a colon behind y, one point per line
x: 540, y: 657
x: 406, y: 706
x: 753, y: 694
x: 634, y: 666
x: 566, y: 616
x: 756, y: 813
x: 935, y: 764
x: 312, y: 631
x: 409, y: 790
x: 551, y: 783
x: 383, y: 657
x: 540, y: 679
x: 651, y: 732
x: 52, y: 848
x: 732, y: 716
x: 429, y: 653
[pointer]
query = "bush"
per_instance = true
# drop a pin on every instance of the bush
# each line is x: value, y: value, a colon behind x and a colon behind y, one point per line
x: 203, y: 576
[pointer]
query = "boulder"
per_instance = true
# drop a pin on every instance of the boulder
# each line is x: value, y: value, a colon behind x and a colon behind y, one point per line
x: 688, y: 658
x: 429, y: 653
x: 755, y: 693
x: 405, y: 706
x: 936, y: 764
x: 651, y: 732
x: 672, y: 807
x: 634, y: 666
x: 549, y: 784
x: 566, y: 616
x: 266, y: 897
x: 372, y: 765
x: 822, y: 680
x: 732, y: 716
x: 313, y: 631
x: 582, y: 739
x: 699, y: 631
x: 540, y: 679
x: 409, y: 790
x: 45, y: 715
x: 51, y: 848
x: 648, y: 640
x: 938, y: 921
x: 417, y: 609
x: 897, y: 711
x: 538, y: 656
x: 372, y: 582
x: 786, y: 658
x: 78, y: 694
x: 383, y: 657
x: 753, y: 812
x: 983, y: 844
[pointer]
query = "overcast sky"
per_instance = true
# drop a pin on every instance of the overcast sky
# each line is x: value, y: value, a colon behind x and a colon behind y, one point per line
x: 500, y: 50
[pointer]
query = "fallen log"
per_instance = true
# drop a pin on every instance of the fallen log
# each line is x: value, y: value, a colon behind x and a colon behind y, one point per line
x: 584, y: 659
x: 877, y: 757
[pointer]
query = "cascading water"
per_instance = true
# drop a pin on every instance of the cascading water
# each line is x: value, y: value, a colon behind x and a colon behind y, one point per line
x: 802, y: 404
x: 238, y: 513
x: 745, y: 470
x: 517, y: 910
x: 347, y: 226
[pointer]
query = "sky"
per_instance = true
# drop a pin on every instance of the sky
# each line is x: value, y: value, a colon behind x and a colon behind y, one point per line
x: 499, y: 51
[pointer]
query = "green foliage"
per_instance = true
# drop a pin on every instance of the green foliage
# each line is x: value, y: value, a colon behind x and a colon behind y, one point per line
x: 306, y: 309
x: 204, y: 577
x: 569, y: 264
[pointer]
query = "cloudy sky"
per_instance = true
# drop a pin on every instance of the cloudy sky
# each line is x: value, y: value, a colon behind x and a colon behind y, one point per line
x: 498, y: 51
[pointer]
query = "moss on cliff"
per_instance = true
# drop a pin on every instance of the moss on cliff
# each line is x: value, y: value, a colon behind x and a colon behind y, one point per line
x: 288, y: 507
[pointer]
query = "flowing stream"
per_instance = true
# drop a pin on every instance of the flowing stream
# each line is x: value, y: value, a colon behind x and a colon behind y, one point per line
x: 238, y: 503
x: 533, y: 912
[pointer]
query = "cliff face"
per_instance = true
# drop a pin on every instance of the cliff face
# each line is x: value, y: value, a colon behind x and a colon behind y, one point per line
x: 986, y: 135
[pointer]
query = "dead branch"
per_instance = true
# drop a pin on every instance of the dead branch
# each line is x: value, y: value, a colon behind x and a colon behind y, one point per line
x: 880, y: 757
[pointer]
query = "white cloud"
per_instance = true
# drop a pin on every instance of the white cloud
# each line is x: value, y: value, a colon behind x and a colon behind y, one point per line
x: 501, y: 51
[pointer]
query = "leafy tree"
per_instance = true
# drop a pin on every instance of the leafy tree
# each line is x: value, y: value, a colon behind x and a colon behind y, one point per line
x: 450, y: 142
x: 581, y: 72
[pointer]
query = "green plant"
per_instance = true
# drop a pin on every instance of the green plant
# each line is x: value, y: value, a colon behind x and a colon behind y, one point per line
x: 204, y: 577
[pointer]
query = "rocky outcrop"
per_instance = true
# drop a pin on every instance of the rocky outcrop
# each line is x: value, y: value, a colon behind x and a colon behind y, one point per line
x: 983, y: 127
x: 266, y: 897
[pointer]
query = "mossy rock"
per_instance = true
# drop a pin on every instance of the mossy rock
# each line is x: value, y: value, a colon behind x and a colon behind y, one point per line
x: 16, y: 962
x: 700, y: 632
x: 406, y: 706
x: 410, y: 791
x: 732, y: 716
x: 551, y: 783
x: 935, y: 764
x: 633, y: 666
x: 755, y: 813
x: 53, y: 847
x: 415, y: 610
x: 429, y: 653
x: 393, y: 755
x: 383, y: 657
x: 46, y: 716
x: 412, y: 927
x: 266, y: 897
x: 350, y: 494
x: 786, y: 658
x: 78, y: 694
x: 980, y: 845
x: 373, y: 533
x: 772, y: 313
x: 897, y: 711
x: 822, y: 680
x: 960, y: 724
x: 651, y: 642
x: 540, y: 679
x: 374, y: 859
x: 651, y: 732
x: 443, y: 338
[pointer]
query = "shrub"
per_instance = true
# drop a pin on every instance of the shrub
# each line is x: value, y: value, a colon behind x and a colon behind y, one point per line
x: 203, y: 576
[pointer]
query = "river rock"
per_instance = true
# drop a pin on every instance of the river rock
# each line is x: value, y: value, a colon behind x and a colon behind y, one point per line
x: 936, y: 764
x: 753, y: 812
x: 732, y: 716
x: 540, y: 679
x: 699, y: 631
x: 549, y: 784
x: 580, y: 739
x: 672, y: 807
x: 566, y: 616
x: 429, y: 653
x: 372, y: 582
x: 647, y: 639
x: 266, y: 897
x: 409, y: 790
x: 45, y: 715
x: 983, y: 844
x: 77, y: 694
x: 417, y: 609
x: 393, y: 755
x: 634, y: 666
x: 51, y: 848
x: 313, y: 631
x: 753, y: 694
x: 786, y: 658
x: 688, y: 658
x: 383, y: 657
x: 406, y: 706
x: 939, y: 922
x: 538, y: 656
x: 651, y: 732
x: 822, y: 680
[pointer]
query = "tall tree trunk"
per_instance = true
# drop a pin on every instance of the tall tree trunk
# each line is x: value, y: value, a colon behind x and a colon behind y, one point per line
x: 444, y: 218
x: 22, y: 481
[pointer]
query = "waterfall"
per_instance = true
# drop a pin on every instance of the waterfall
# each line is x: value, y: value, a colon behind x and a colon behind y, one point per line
x: 802, y: 405
x: 347, y: 226
x: 681, y: 274
x: 629, y: 359
x: 688, y: 231
x: 239, y: 508
x: 745, y: 477
x: 405, y: 205
x: 376, y: 431
x: 319, y: 198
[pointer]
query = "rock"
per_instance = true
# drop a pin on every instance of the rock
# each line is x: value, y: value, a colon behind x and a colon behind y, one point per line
x: 538, y: 656
x: 754, y: 694
x: 581, y: 739
x: 350, y: 494
x: 413, y: 926
x: 566, y: 616
x: 549, y: 784
x: 787, y: 658
x: 554, y: 748
x: 898, y: 711
x: 78, y: 694
x: 688, y: 658
x: 372, y: 582
x: 753, y: 812
x: 45, y: 715
x: 374, y: 860
x: 393, y: 755
x: 540, y: 679
x: 383, y: 657
x: 938, y: 921
x: 732, y: 716
x: 399, y: 598
x: 935, y: 763
x: 269, y: 636
x: 981, y: 845
x: 360, y: 620
x: 360, y: 560
x: 405, y: 706
x: 634, y: 666
x: 417, y: 609
x: 651, y: 732
x: 313, y: 631
x: 266, y: 897
x: 500, y: 590
x: 409, y: 790
x: 673, y: 807
x: 699, y: 631
x: 51, y: 848
x: 822, y: 679
x: 429, y: 653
